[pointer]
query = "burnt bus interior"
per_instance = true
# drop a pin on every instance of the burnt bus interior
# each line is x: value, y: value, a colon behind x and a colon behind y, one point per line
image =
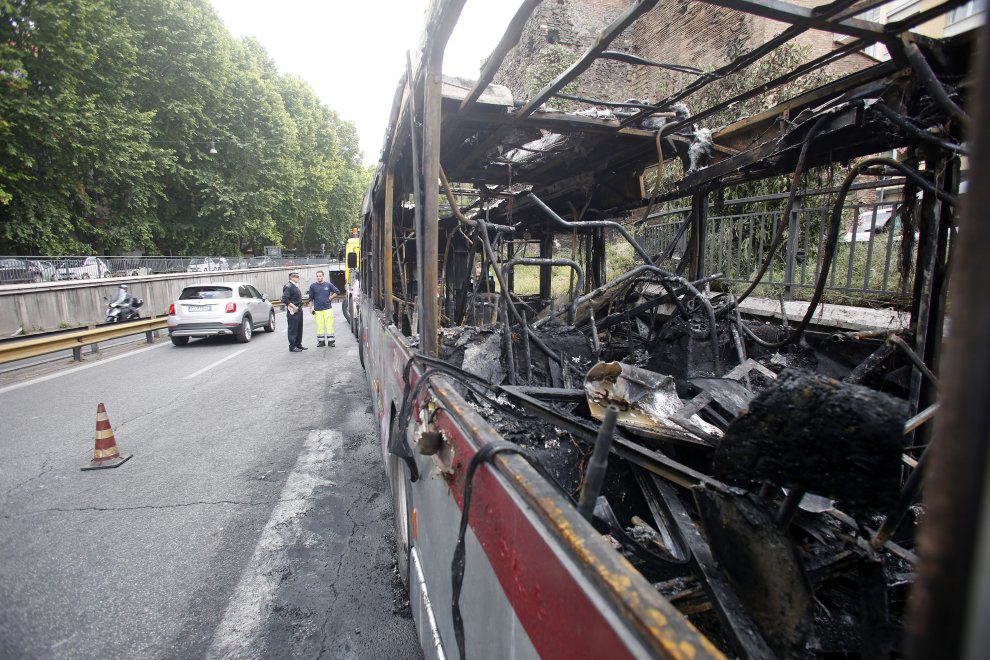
x: 764, y: 476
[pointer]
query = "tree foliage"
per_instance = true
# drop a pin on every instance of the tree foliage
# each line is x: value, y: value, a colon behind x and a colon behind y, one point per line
x: 109, y: 110
x: 550, y: 62
x: 779, y: 61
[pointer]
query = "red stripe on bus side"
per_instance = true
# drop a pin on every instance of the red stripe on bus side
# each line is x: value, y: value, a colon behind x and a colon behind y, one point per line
x: 559, y: 617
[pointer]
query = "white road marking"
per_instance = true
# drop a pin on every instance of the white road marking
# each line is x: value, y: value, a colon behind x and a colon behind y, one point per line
x: 217, y: 363
x: 245, y: 618
x: 41, y: 379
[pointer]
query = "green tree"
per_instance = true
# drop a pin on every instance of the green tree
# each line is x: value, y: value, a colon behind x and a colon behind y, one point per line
x: 76, y: 158
x: 549, y: 63
x: 142, y: 124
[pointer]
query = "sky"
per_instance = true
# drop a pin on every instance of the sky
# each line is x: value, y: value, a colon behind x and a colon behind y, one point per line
x: 353, y: 52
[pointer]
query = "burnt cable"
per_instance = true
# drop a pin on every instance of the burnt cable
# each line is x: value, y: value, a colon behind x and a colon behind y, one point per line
x: 470, y: 381
x: 410, y: 393
x: 918, y: 132
x: 504, y: 291
x: 931, y: 82
x: 485, y: 454
x: 832, y: 240
x: 784, y: 218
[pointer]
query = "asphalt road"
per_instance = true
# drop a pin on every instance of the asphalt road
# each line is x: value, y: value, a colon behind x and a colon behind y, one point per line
x: 252, y: 521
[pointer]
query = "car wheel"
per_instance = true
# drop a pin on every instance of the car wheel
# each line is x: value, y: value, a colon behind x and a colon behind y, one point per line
x: 244, y: 336
x: 271, y: 322
x: 180, y: 341
x: 85, y: 276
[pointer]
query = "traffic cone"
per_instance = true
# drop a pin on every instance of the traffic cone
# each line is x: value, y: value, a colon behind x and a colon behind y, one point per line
x: 105, y: 455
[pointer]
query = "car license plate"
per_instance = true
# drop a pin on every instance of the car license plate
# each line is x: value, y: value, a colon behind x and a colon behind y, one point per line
x: 200, y: 308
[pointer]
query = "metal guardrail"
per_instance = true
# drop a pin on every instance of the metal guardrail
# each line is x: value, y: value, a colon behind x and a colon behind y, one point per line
x: 867, y: 262
x: 12, y: 350
x: 32, y: 269
x: 76, y: 340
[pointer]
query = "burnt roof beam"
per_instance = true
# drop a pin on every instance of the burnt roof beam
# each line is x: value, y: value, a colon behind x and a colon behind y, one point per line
x: 743, y: 60
x: 794, y: 74
x: 880, y: 74
x: 509, y: 40
x: 629, y: 58
x: 602, y: 42
x: 442, y: 16
x: 787, y: 12
x: 611, y: 104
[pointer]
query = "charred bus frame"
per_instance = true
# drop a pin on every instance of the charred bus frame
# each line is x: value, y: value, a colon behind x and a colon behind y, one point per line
x: 528, y: 573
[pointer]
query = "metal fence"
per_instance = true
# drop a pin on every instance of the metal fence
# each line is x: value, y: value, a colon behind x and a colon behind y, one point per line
x: 867, y: 261
x: 24, y: 269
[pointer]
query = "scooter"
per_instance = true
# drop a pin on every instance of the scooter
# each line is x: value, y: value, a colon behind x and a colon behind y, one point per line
x: 124, y: 308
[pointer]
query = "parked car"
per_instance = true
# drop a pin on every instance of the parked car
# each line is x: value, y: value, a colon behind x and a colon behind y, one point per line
x: 864, y: 221
x: 260, y: 262
x: 223, y: 308
x: 83, y: 269
x: 42, y: 271
x: 202, y: 265
x: 14, y: 271
x: 130, y: 267
x: 134, y: 271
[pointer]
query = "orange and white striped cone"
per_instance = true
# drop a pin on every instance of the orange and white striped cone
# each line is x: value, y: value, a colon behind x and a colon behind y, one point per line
x: 106, y: 454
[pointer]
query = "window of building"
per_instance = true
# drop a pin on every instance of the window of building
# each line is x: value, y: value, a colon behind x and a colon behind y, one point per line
x: 965, y: 17
x: 961, y: 13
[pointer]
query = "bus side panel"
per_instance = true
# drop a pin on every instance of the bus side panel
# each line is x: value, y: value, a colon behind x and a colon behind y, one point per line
x: 493, y: 630
x: 527, y: 590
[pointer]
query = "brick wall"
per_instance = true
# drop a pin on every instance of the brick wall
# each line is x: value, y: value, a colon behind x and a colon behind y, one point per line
x: 676, y: 31
x: 707, y: 37
x: 573, y: 24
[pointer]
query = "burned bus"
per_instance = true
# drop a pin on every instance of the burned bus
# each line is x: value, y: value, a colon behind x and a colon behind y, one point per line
x: 621, y: 412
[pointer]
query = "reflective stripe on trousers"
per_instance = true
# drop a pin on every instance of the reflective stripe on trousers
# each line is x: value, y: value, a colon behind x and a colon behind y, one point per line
x: 324, y: 324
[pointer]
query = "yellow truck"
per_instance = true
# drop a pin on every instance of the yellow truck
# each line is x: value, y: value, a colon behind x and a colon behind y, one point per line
x: 352, y: 261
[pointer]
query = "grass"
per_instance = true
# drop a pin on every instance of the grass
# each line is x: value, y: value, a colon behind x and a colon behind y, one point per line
x: 619, y: 257
x: 527, y: 280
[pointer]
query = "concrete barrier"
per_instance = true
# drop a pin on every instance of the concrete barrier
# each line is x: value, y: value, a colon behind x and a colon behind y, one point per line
x: 47, y: 306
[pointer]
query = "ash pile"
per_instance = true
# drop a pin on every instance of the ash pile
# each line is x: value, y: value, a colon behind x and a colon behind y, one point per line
x: 757, y: 473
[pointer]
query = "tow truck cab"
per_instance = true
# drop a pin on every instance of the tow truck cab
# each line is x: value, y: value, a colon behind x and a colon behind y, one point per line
x: 352, y: 258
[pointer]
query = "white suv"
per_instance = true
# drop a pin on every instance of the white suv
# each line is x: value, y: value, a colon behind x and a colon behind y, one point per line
x: 84, y: 269
x: 219, y: 308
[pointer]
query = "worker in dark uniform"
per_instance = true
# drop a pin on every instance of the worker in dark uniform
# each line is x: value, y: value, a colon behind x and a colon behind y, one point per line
x: 321, y: 295
x: 292, y: 297
x: 482, y: 284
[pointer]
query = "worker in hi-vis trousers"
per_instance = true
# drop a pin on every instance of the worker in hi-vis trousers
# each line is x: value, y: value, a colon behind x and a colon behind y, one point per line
x: 321, y: 295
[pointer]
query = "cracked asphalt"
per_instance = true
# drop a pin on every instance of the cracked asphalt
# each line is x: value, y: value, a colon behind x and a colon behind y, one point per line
x: 254, y: 519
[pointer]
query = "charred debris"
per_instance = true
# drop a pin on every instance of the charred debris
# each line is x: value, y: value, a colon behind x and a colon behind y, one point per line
x: 764, y: 476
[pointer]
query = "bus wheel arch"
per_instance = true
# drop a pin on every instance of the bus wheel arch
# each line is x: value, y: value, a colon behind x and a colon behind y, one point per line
x: 360, y: 342
x: 401, y: 507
